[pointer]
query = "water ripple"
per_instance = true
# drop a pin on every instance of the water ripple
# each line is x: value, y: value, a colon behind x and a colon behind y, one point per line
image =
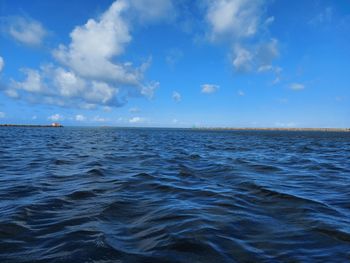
x: 163, y: 195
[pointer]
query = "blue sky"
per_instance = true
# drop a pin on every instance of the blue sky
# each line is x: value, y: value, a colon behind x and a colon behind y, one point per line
x: 164, y: 63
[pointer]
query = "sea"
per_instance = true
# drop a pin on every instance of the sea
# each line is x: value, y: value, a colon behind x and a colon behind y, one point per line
x: 80, y: 194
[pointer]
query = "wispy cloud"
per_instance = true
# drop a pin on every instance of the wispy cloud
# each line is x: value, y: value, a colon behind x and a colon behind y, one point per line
x: 209, y: 88
x: 2, y: 63
x: 325, y: 16
x: 296, y: 86
x: 149, y: 11
x: 173, y: 56
x: 99, y: 119
x: 240, y: 93
x: 136, y: 120
x: 134, y: 110
x: 80, y: 117
x: 56, y: 117
x: 285, y: 124
x: 25, y: 30
x: 241, y: 22
x: 176, y: 96
x: 2, y: 115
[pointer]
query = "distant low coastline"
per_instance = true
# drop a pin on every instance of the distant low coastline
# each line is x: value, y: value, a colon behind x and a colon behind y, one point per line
x: 53, y: 125
x: 277, y: 129
x: 57, y: 125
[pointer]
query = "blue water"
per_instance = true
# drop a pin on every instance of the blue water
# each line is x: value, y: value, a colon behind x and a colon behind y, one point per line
x: 166, y: 195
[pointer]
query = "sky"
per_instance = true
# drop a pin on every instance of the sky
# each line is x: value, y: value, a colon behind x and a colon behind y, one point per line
x: 175, y: 63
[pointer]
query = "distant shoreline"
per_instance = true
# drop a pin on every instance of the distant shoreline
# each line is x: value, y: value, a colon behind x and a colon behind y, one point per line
x: 31, y: 125
x: 193, y: 128
x: 277, y: 129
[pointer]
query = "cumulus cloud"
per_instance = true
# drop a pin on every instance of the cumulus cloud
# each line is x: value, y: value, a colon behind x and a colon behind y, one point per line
x: 90, y: 74
x: 90, y: 57
x: 56, y: 117
x: 80, y: 117
x: 233, y: 19
x: 136, y: 120
x: 2, y: 63
x: 296, y: 86
x: 59, y: 86
x: 25, y: 30
x: 209, y: 88
x: 2, y: 115
x: 176, y: 96
x: 241, y: 23
x: 32, y: 82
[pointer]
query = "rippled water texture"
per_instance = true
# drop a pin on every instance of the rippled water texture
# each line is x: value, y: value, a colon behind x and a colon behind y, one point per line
x: 164, y: 195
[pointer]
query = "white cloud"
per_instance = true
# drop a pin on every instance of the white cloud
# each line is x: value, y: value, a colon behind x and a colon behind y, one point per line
x: 80, y: 117
x: 136, y: 120
x: 2, y: 63
x: 90, y: 57
x: 67, y: 83
x: 269, y: 20
x: 285, y: 124
x: 90, y: 75
x: 233, y: 19
x: 243, y: 60
x: 258, y: 58
x: 241, y: 23
x: 99, y: 119
x: 12, y: 93
x: 32, y: 83
x: 297, y: 86
x: 56, y: 117
x: 34, y: 117
x: 2, y: 115
x: 152, y: 10
x: 209, y: 88
x: 240, y: 93
x: 149, y: 89
x: 265, y: 68
x: 176, y: 96
x: 26, y: 30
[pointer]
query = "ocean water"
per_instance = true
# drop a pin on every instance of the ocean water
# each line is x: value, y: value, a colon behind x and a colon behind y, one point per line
x: 171, y: 195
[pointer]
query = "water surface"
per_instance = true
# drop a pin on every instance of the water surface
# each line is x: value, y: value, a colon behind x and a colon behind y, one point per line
x: 167, y: 195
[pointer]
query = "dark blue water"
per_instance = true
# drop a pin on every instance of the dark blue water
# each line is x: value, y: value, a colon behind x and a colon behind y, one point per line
x: 157, y: 195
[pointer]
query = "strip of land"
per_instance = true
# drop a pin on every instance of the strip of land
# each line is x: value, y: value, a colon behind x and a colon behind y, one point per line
x: 31, y: 125
x: 277, y: 129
